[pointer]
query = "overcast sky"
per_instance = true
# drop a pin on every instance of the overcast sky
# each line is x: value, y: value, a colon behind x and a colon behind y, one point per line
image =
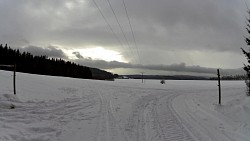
x: 171, y: 36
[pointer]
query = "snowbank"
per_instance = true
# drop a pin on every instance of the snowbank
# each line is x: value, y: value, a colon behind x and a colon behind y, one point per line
x: 208, y: 120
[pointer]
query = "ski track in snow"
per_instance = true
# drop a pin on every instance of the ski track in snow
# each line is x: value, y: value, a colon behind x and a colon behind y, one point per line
x: 108, y: 128
x: 153, y: 118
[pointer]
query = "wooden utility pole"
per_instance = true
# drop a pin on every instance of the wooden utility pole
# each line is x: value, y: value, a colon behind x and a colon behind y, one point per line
x: 218, y: 73
x: 142, y: 77
x: 14, y: 79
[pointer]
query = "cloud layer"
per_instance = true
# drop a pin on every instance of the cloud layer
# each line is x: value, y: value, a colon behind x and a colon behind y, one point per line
x: 180, y: 68
x: 52, y: 51
x: 49, y: 51
x: 199, y: 33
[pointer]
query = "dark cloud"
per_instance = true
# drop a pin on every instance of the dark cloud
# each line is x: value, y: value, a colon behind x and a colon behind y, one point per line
x: 78, y: 55
x: 166, y: 31
x: 190, y: 24
x: 50, y: 51
x: 182, y: 67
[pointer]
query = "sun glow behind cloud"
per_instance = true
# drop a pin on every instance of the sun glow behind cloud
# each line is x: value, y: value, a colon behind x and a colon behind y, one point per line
x: 98, y: 53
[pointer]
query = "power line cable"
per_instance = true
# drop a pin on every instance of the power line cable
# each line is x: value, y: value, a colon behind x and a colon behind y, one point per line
x: 114, y: 34
x: 246, y: 4
x: 110, y: 27
x: 123, y: 33
x: 133, y: 35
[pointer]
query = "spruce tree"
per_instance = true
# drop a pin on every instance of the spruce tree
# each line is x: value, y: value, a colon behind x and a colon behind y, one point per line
x: 247, y: 54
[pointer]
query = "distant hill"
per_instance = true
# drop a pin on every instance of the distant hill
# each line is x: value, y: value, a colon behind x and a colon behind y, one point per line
x: 166, y: 77
x: 101, y: 74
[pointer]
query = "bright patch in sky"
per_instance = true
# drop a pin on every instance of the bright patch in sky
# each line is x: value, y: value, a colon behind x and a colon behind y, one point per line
x: 100, y: 53
x: 69, y: 5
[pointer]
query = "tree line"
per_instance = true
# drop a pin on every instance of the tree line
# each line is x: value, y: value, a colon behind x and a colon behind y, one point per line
x: 28, y: 63
x: 230, y: 77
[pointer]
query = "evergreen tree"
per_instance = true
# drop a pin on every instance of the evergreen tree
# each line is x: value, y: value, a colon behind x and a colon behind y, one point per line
x: 247, y: 54
x: 28, y: 63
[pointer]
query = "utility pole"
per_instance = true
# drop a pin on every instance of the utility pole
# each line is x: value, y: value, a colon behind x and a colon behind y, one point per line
x: 14, y: 75
x: 218, y: 73
x: 14, y: 79
x: 142, y: 77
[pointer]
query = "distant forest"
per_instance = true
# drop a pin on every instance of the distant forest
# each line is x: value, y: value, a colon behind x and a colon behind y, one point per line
x: 28, y: 63
x: 230, y: 77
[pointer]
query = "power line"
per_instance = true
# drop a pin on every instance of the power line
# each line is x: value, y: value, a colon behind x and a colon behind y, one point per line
x: 133, y: 35
x: 246, y: 4
x: 117, y: 38
x: 110, y: 27
x: 123, y: 33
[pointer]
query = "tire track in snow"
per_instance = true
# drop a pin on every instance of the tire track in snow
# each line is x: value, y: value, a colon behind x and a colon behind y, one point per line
x: 108, y: 128
x: 153, y: 118
x: 174, y: 128
x: 136, y: 122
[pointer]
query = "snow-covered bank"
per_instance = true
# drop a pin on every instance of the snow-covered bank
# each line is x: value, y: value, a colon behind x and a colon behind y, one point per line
x: 55, y: 108
x: 210, y: 121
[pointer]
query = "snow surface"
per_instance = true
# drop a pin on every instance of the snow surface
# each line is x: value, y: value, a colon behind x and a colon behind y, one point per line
x: 50, y: 108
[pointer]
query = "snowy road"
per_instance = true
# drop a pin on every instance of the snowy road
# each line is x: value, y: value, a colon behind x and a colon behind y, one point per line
x: 63, y: 109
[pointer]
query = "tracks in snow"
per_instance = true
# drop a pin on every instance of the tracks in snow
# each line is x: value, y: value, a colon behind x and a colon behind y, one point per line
x: 45, y: 120
x: 148, y: 116
x: 151, y: 118
x: 108, y: 126
x: 154, y: 119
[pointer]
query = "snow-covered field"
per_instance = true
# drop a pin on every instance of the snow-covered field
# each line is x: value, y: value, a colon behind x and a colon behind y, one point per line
x: 64, y: 109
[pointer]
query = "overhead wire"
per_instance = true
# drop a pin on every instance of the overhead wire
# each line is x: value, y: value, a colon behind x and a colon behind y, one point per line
x: 246, y: 4
x: 132, y: 32
x: 105, y: 19
x: 109, y: 25
x: 123, y: 33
